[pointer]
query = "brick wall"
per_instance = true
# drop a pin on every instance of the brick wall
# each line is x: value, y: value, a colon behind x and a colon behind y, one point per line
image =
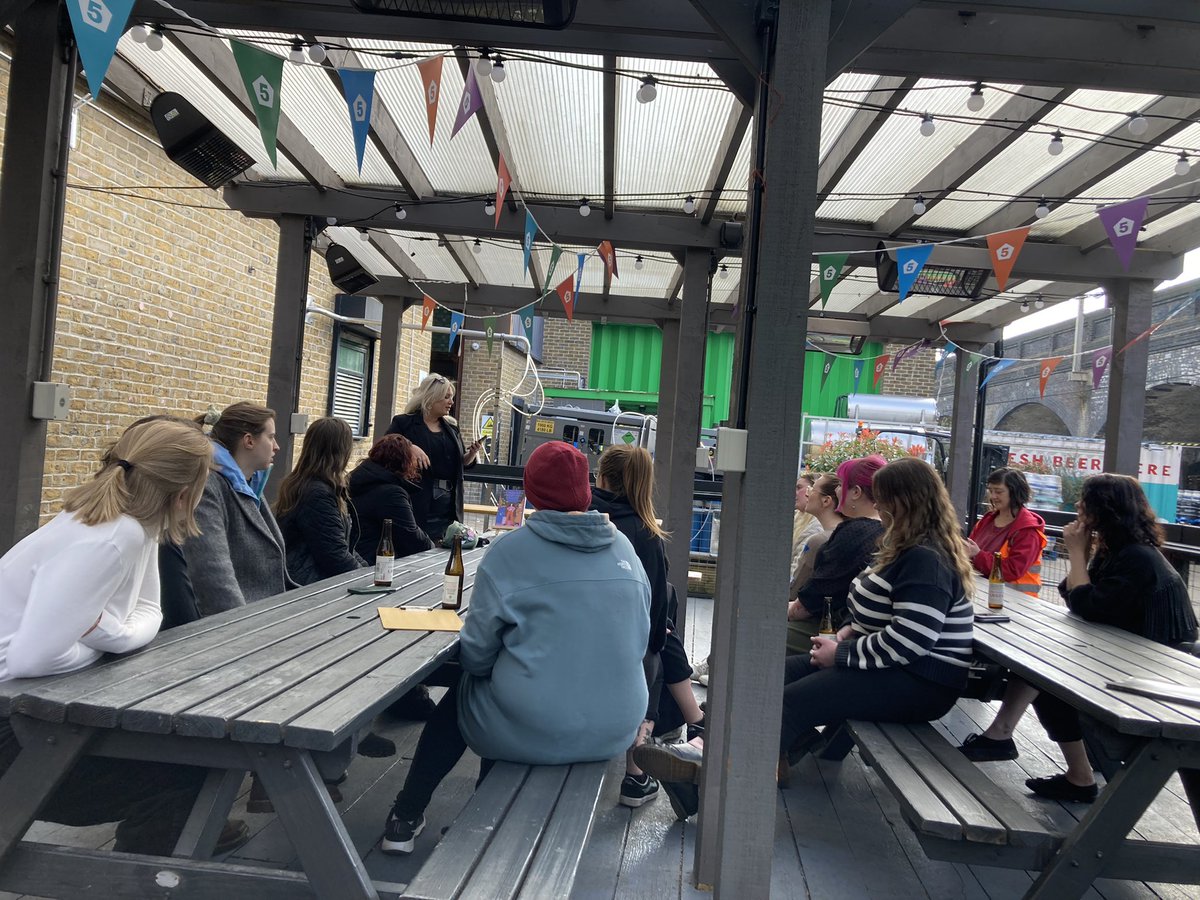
x: 165, y: 298
x: 568, y: 345
x: 913, y: 377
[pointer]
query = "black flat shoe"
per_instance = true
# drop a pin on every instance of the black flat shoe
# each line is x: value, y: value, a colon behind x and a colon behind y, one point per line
x: 1056, y: 787
x: 978, y: 748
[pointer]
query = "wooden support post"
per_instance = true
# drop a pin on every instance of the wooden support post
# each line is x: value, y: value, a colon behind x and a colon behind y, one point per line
x: 32, y: 183
x: 664, y: 438
x: 962, y: 432
x: 389, y: 346
x: 1132, y: 305
x: 287, y: 338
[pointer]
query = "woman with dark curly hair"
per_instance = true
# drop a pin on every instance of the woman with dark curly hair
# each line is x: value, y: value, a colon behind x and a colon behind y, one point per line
x: 1127, y: 583
x: 377, y: 487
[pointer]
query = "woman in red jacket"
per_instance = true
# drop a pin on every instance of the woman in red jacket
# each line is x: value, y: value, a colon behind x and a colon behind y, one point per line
x: 1018, y: 533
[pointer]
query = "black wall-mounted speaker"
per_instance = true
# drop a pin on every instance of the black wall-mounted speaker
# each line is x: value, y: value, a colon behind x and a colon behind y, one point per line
x: 345, y: 271
x: 731, y: 235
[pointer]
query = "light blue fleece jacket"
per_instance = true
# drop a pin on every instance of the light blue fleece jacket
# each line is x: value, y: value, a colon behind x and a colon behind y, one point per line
x: 552, y: 647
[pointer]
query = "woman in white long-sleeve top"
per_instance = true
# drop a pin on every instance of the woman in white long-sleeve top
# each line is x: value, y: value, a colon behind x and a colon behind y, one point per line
x: 87, y: 584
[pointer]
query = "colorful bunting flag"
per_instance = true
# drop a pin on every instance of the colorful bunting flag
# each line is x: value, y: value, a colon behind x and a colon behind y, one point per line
x: 859, y: 365
x: 831, y: 266
x: 555, y: 253
x: 489, y: 331
x: 470, y: 102
x: 530, y: 234
x: 1145, y: 334
x: 1005, y: 247
x: 881, y: 367
x: 262, y: 75
x: 609, y: 255
x: 503, y: 180
x: 1048, y: 367
x: 525, y: 314
x: 999, y: 367
x: 566, y: 293
x: 1100, y: 359
x: 910, y: 350
x: 909, y: 263
x: 1122, y: 222
x: 431, y: 79
x: 427, y: 307
x: 826, y: 369
x: 971, y: 360
x: 456, y: 324
x: 582, y: 257
x: 937, y: 366
x: 98, y: 25
x: 358, y: 87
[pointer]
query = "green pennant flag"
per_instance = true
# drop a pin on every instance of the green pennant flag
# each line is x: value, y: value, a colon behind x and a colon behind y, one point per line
x: 555, y: 253
x: 489, y: 330
x: 831, y: 272
x: 262, y: 74
x: 971, y: 362
x: 826, y: 369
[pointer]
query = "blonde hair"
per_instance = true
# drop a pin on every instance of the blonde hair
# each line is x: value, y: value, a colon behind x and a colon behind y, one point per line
x: 913, y: 495
x: 433, y: 389
x: 629, y: 472
x: 144, y: 474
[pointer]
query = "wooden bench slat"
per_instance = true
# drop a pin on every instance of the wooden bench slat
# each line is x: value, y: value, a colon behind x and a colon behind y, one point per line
x: 552, y: 873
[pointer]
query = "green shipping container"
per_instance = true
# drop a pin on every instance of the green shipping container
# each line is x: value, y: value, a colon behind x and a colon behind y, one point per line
x: 627, y: 358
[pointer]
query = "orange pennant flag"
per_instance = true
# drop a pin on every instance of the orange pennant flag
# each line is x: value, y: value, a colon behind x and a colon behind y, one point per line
x: 1005, y: 247
x: 426, y: 310
x: 1048, y: 367
x: 566, y: 293
x: 502, y: 182
x: 609, y: 255
x: 881, y: 366
x: 431, y: 78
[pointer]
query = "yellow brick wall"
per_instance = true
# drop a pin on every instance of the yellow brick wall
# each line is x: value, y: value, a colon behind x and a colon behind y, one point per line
x: 165, y: 298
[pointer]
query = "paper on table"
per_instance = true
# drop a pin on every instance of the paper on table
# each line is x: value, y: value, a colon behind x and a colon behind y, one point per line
x: 406, y: 619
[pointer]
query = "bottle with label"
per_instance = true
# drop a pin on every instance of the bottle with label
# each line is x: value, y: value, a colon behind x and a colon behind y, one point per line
x: 385, y: 557
x: 996, y: 584
x: 452, y: 585
x: 826, y: 626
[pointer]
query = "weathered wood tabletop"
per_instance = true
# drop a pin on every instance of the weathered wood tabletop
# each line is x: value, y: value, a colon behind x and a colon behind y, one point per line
x: 269, y: 687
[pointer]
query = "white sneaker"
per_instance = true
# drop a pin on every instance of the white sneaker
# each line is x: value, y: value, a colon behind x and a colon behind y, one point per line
x: 700, y: 673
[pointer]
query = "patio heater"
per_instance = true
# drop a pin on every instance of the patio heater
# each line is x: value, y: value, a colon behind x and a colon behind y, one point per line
x: 345, y: 271
x: 195, y: 144
x: 527, y: 14
x: 934, y: 280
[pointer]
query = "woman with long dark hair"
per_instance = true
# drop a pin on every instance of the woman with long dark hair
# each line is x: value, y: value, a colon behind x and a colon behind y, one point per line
x: 314, y: 509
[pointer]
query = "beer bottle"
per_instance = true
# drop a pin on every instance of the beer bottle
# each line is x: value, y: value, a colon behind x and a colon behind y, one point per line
x: 452, y: 586
x: 826, y: 626
x: 996, y: 584
x: 385, y: 556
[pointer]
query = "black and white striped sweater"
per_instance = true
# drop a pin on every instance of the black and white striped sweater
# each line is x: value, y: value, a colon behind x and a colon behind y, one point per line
x: 912, y: 613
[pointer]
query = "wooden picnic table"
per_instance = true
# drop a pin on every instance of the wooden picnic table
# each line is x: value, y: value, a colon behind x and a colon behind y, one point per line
x: 1138, y: 742
x: 270, y: 687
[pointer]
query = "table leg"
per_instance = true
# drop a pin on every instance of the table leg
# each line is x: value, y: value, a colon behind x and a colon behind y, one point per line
x: 312, y: 823
x: 1191, y: 787
x: 199, y: 836
x: 1084, y: 853
x: 48, y: 751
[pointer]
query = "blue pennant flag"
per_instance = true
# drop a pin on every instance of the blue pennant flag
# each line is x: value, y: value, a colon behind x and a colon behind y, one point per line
x: 996, y: 370
x: 937, y: 366
x: 909, y: 262
x: 530, y: 234
x: 582, y: 257
x: 525, y: 314
x: 358, y: 86
x: 98, y: 25
x: 859, y: 365
x: 456, y: 324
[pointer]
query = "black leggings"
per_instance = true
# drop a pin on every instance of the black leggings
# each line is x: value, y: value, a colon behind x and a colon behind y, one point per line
x: 1059, y: 718
x: 813, y: 696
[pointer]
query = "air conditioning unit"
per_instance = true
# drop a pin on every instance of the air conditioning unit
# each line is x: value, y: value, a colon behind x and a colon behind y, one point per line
x: 530, y: 14
x: 194, y: 143
x: 345, y: 271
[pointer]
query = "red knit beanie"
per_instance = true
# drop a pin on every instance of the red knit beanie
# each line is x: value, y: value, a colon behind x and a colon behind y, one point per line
x: 556, y: 477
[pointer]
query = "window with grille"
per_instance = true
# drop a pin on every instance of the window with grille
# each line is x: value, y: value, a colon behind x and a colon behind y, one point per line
x: 350, y: 380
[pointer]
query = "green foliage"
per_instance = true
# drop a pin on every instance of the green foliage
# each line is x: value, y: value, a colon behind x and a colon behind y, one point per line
x: 832, y: 454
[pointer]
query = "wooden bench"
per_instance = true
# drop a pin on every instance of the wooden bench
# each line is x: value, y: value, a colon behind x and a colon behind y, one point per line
x: 521, y: 835
x: 957, y: 812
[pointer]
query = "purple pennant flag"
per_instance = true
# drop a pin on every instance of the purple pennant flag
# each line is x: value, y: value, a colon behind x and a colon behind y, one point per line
x: 911, y: 350
x: 996, y: 370
x: 1122, y: 222
x: 470, y: 102
x: 456, y: 324
x: 1100, y: 360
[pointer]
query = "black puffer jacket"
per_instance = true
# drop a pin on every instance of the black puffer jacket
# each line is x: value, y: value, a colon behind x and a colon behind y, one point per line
x: 378, y: 494
x: 649, y: 548
x: 318, y: 537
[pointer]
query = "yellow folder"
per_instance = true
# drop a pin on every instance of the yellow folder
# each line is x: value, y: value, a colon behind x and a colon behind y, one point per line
x: 409, y: 619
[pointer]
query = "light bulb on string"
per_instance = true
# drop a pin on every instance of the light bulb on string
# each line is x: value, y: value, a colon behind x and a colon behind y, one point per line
x: 723, y: 272
x: 919, y: 206
x: 317, y: 53
x: 155, y: 40
x: 585, y: 208
x: 639, y: 263
x: 498, y: 71
x: 689, y: 204
x: 363, y: 234
x: 139, y: 33
x: 928, y: 126
x: 1043, y: 209
x: 477, y: 246
x: 1138, y: 124
x: 483, y: 65
x: 296, y: 54
x: 1183, y: 165
x: 1056, y: 144
x: 489, y: 207
x: 1024, y: 306
x: 648, y: 91
x: 1039, y: 302
x: 401, y: 212
x: 975, y: 101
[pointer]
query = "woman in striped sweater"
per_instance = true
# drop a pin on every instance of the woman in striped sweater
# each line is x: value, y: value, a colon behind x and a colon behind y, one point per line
x: 905, y: 653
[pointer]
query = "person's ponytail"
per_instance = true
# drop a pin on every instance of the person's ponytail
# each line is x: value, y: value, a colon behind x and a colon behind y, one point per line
x: 629, y: 472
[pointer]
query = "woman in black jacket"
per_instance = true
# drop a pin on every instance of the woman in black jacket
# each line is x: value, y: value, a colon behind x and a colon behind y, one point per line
x: 314, y: 509
x: 624, y: 488
x: 378, y: 491
x: 441, y: 456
